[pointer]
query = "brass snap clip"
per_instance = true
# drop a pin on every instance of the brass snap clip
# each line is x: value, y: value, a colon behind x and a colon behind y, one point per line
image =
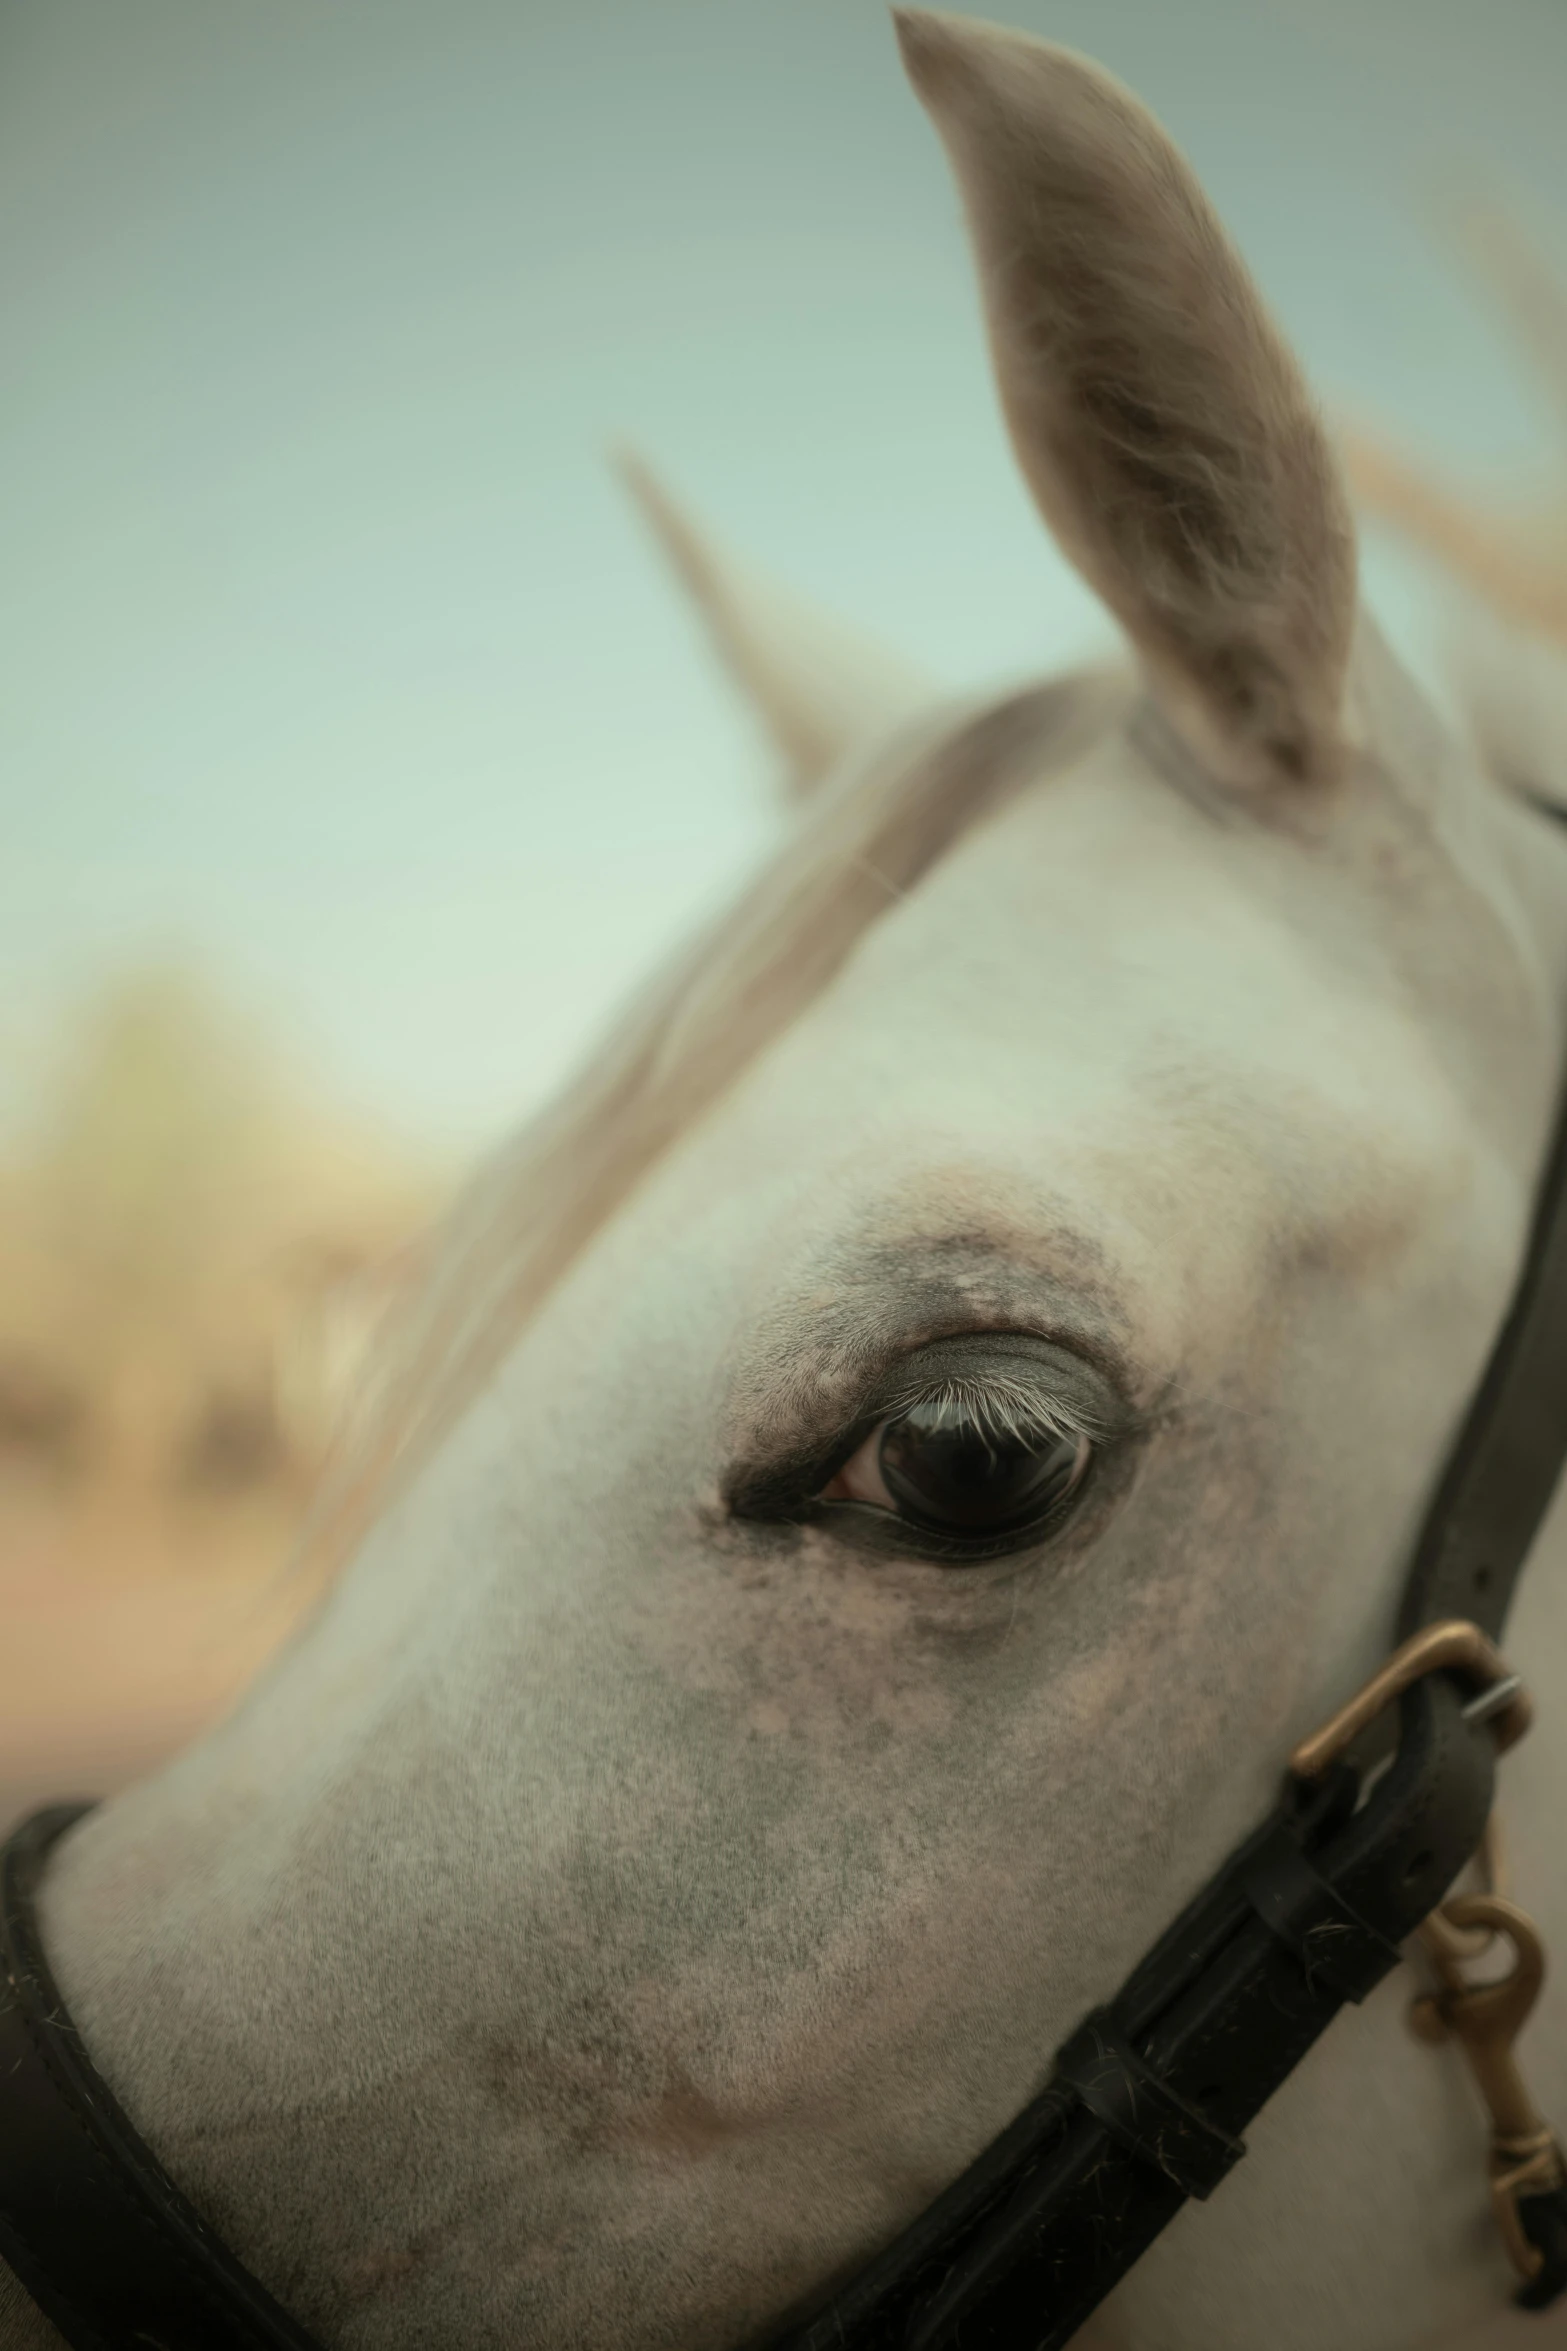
x: 1485, y: 2019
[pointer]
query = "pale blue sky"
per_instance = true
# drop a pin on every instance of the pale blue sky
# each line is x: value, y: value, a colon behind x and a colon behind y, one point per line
x: 330, y: 659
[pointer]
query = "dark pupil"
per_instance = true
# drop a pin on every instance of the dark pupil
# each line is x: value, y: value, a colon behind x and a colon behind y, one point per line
x: 960, y: 1476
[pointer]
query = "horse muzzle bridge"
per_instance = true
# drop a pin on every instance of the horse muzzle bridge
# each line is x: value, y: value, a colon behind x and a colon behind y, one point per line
x: 1145, y: 2107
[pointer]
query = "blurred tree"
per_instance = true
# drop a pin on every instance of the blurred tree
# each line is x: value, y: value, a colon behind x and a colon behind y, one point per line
x: 192, y: 1256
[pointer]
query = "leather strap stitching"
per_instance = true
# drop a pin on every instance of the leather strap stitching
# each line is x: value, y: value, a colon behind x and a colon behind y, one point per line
x: 1140, y: 2109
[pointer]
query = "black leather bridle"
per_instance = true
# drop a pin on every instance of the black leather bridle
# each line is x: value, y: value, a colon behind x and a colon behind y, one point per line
x: 1147, y: 2100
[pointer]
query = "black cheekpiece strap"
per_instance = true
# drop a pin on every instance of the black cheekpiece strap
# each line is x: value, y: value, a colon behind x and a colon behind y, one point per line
x: 1017, y: 2254
x: 1502, y: 1472
x: 1141, y: 2111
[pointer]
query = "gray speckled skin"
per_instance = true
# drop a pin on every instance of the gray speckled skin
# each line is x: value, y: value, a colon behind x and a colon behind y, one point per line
x: 23, y: 2326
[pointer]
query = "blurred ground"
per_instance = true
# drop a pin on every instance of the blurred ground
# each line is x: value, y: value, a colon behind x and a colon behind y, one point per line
x: 100, y: 1680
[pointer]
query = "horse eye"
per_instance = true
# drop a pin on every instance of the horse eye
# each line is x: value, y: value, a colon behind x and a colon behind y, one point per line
x: 957, y: 1477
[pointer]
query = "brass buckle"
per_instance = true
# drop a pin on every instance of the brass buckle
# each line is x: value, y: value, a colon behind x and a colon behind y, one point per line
x: 1485, y: 2018
x: 1451, y: 1647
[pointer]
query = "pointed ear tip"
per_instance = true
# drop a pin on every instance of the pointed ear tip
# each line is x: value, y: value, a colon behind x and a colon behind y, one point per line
x: 924, y: 37
x: 657, y: 507
x: 945, y: 55
x: 640, y: 481
x: 624, y: 458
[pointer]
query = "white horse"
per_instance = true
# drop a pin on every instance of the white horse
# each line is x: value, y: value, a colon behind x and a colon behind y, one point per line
x: 706, y: 1799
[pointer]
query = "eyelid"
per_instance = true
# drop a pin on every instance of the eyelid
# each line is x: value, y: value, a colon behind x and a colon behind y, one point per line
x: 842, y: 1478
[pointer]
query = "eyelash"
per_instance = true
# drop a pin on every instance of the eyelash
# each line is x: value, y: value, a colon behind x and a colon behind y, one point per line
x: 1013, y: 1390
x: 1001, y: 1414
x: 998, y: 1411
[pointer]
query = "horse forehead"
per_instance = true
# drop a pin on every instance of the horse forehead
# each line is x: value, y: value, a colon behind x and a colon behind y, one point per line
x: 1083, y: 1044
x: 1102, y: 956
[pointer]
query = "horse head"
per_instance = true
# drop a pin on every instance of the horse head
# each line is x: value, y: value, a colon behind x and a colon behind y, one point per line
x: 879, y: 1474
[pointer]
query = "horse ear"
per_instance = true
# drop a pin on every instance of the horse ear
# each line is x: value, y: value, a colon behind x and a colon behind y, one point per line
x: 1164, y: 429
x: 820, y: 689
